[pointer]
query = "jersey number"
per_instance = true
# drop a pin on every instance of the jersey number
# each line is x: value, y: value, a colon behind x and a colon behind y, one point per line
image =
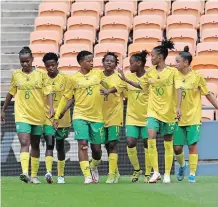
x: 89, y: 91
x: 27, y: 94
x: 159, y: 91
x: 54, y: 97
x: 137, y: 96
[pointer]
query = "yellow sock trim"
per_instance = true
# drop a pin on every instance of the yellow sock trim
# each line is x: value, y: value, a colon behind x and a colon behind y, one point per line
x: 61, y: 166
x: 148, y: 166
x: 133, y: 157
x: 153, y: 154
x: 24, y: 159
x: 48, y: 163
x: 180, y: 159
x: 113, y: 157
x: 34, y: 166
x: 84, y: 165
x: 168, y: 145
x: 95, y: 163
x: 193, y: 162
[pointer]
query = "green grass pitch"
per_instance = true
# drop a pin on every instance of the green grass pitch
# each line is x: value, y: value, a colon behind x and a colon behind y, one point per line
x: 74, y: 193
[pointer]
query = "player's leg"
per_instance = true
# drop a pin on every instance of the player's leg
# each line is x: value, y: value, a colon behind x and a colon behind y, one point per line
x: 148, y: 166
x: 179, y: 138
x: 49, y: 136
x: 82, y: 136
x: 193, y: 137
x: 23, y: 132
x: 132, y: 134
x: 113, y: 134
x: 153, y: 128
x: 167, y: 130
x: 61, y: 135
x: 97, y: 137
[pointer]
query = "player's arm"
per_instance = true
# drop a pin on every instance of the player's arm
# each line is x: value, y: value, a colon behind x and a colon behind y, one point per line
x: 51, y: 107
x: 210, y: 97
x: 69, y: 104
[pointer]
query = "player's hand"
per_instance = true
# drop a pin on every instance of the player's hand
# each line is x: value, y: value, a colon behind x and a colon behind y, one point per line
x: 51, y: 112
x: 178, y: 113
x: 2, y: 117
x: 122, y: 75
x: 55, y: 124
x: 104, y: 92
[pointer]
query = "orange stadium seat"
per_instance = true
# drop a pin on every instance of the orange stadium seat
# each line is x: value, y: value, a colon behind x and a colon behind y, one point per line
x: 87, y: 9
x: 181, y: 22
x: 116, y: 23
x: 183, y: 35
x: 201, y: 1
x: 50, y: 23
x: 167, y: 1
x: 138, y: 47
x: 45, y: 37
x: 207, y: 48
x: 68, y: 65
x: 67, y: 2
x: 54, y: 9
x: 71, y: 50
x: 97, y: 62
x: 211, y: 7
x: 120, y: 9
x: 37, y: 62
x: 114, y: 36
x: 148, y: 22
x: 207, y: 115
x: 39, y: 50
x: 179, y: 47
x: 211, y: 75
x: 154, y: 8
x: 126, y: 64
x: 209, y: 21
x: 102, y: 48
x: 204, y: 62
x: 171, y: 61
x: 210, y: 35
x: 124, y: 1
x: 100, y: 2
x: 187, y: 8
x: 83, y: 23
x: 79, y: 37
x: 147, y: 36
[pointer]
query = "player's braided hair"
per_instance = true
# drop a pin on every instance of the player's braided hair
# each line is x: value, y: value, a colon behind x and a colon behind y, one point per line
x: 111, y: 54
x: 50, y: 56
x: 141, y: 56
x: 186, y: 55
x: 25, y: 50
x: 163, y: 48
x: 81, y: 55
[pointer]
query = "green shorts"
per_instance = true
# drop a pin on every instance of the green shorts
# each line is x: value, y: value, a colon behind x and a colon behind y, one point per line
x: 22, y: 127
x: 112, y: 133
x: 186, y: 135
x: 93, y: 132
x: 61, y: 133
x: 161, y: 127
x: 136, y: 131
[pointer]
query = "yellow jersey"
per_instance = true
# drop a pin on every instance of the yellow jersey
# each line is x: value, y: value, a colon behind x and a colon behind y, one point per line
x: 59, y: 85
x: 137, y: 101
x: 113, y: 104
x: 162, y: 94
x: 193, y: 85
x: 29, y: 91
x: 88, y: 100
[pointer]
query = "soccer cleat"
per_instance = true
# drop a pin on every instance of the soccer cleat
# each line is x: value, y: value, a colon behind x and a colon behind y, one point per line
x: 154, y: 178
x: 35, y: 180
x: 166, y: 179
x: 110, y: 179
x: 48, y: 177
x: 192, y: 179
x: 135, y: 176
x: 116, y: 178
x: 88, y: 180
x: 95, y: 175
x: 147, y: 178
x: 181, y: 173
x: 25, y: 177
x: 61, y: 180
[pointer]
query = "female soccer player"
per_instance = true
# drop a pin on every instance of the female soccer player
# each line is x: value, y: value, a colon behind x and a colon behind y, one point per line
x: 136, y: 113
x: 28, y: 86
x: 113, y: 114
x: 87, y: 116
x: 193, y: 85
x: 162, y: 111
x: 59, y: 83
